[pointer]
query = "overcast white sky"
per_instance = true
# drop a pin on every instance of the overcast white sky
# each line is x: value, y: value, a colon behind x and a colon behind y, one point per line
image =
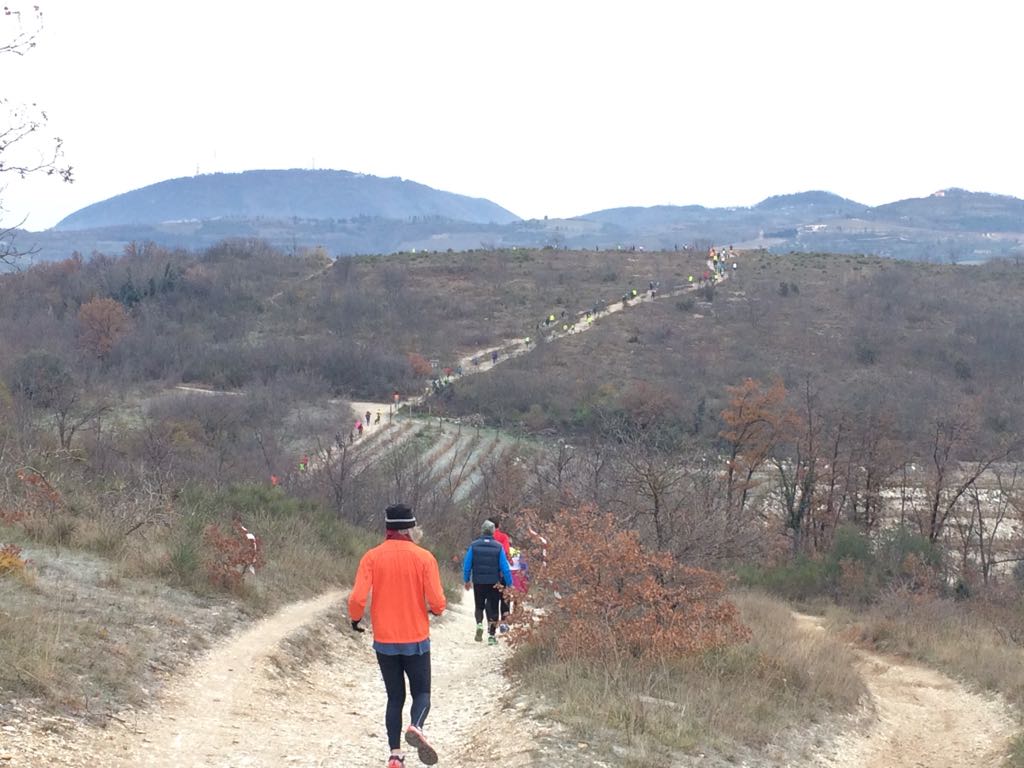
x: 548, y: 108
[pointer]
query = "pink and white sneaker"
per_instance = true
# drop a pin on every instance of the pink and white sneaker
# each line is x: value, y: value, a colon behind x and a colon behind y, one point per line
x: 415, y: 738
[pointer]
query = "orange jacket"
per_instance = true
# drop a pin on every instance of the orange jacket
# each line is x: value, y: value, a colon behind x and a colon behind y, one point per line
x: 404, y: 580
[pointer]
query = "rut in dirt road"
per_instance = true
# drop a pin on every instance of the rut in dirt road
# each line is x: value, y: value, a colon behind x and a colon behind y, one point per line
x: 922, y: 719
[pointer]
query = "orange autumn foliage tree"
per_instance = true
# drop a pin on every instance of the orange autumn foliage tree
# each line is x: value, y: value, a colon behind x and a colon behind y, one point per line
x: 101, y: 324
x: 605, y: 596
x: 11, y: 560
x: 230, y: 555
x: 756, y: 420
x: 419, y: 365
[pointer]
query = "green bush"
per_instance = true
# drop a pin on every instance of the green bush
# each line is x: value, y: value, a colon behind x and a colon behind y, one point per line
x: 856, y: 569
x: 894, y: 546
x: 801, y: 579
x: 184, y: 561
x: 849, y: 544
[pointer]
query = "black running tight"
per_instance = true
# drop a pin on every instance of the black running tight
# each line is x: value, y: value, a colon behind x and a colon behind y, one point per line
x: 486, y: 598
x: 394, y: 670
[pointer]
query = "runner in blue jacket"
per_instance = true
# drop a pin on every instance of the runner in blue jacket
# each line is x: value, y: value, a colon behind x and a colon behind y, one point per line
x: 485, y: 570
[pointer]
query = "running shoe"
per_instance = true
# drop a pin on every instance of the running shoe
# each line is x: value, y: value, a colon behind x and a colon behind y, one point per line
x: 479, y: 633
x: 492, y: 640
x: 415, y: 738
x: 396, y: 761
x: 502, y: 628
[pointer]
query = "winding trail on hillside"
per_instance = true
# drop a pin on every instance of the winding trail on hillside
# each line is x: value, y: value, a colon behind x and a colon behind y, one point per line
x: 922, y: 719
x: 299, y: 281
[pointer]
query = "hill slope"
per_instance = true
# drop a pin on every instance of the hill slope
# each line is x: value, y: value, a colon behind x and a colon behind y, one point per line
x: 957, y: 209
x: 286, y: 194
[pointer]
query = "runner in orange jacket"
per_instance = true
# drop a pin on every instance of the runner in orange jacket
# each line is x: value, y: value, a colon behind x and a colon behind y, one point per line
x: 404, y: 580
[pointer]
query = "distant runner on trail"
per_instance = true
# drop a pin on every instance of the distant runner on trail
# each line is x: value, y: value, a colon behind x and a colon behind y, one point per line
x: 494, y: 357
x: 484, y: 570
x: 403, y: 580
x: 367, y: 421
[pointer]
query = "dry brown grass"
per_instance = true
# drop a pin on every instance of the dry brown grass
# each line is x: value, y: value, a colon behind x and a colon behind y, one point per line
x: 80, y: 639
x: 730, y: 700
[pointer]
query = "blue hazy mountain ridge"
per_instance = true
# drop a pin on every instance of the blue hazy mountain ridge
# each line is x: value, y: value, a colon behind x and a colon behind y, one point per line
x: 346, y: 214
x: 282, y: 194
x: 957, y: 209
x: 801, y: 207
x: 814, y: 200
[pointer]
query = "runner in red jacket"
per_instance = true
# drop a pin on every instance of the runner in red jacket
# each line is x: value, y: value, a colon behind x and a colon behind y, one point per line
x: 504, y: 608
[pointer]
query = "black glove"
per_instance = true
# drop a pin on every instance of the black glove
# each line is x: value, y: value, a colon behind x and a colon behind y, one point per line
x: 356, y: 627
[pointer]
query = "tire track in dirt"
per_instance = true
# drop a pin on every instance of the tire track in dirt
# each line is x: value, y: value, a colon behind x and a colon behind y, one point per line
x: 922, y: 719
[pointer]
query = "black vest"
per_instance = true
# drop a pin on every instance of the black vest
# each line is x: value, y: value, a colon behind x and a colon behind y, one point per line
x: 486, y: 561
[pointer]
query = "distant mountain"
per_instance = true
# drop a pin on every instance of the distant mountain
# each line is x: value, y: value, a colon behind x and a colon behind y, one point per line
x: 778, y: 211
x: 952, y: 225
x: 279, y: 195
x: 635, y: 216
x: 346, y: 213
x: 816, y: 201
x: 956, y: 209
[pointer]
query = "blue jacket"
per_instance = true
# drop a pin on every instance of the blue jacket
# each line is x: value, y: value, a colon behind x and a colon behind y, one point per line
x: 485, y: 563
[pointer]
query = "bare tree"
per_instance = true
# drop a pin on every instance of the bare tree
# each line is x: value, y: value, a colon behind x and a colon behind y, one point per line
x: 796, y: 468
x: 653, y: 477
x: 25, y: 150
x: 996, y: 513
x: 949, y: 479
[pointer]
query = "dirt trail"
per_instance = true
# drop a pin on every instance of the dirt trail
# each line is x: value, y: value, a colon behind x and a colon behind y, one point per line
x: 250, y: 704
x: 237, y: 707
x: 923, y: 719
